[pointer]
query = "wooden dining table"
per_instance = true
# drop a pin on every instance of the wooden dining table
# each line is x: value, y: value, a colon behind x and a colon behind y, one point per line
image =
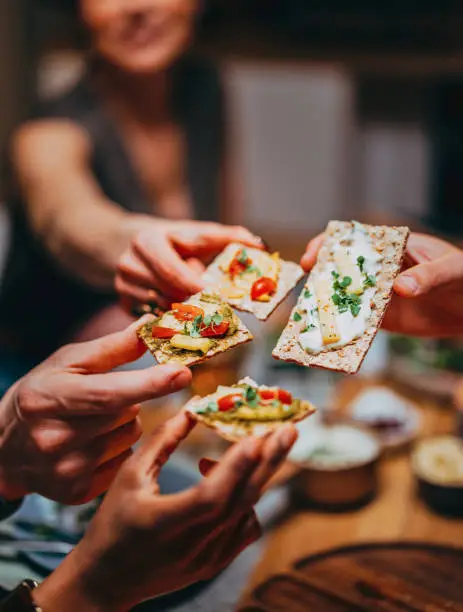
x: 396, y: 514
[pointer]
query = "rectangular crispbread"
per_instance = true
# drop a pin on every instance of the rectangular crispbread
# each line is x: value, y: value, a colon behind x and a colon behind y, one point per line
x: 349, y: 358
x: 234, y: 431
x: 290, y: 274
x: 241, y: 336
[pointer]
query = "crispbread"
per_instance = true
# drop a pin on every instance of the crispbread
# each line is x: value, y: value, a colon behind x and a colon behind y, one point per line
x: 349, y: 358
x: 236, y: 430
x: 290, y: 274
x: 241, y: 336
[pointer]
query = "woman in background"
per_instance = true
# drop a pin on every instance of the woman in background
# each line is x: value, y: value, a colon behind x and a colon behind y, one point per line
x: 111, y: 167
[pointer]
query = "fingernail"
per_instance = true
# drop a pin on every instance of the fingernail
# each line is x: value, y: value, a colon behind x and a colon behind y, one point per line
x: 252, y: 448
x: 287, y: 437
x: 180, y: 379
x: 147, y: 318
x: 408, y: 283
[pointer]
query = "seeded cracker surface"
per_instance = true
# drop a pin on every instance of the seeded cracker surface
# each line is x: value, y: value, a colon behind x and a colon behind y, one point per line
x: 290, y: 274
x: 236, y: 430
x: 391, y: 242
x: 241, y: 336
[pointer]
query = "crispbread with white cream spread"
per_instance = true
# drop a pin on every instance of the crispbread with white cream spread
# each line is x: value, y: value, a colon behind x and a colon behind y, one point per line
x: 345, y: 297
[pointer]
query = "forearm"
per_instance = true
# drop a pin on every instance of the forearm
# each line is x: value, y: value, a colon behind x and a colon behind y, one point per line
x: 89, y: 241
x: 65, y: 206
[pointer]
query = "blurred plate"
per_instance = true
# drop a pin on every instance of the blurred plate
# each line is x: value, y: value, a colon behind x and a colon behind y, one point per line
x: 393, y: 418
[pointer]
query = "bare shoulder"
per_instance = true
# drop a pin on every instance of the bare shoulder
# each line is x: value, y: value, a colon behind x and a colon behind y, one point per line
x: 49, y: 142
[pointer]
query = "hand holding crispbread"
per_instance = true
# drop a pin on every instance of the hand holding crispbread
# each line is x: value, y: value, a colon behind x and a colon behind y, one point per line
x: 332, y: 326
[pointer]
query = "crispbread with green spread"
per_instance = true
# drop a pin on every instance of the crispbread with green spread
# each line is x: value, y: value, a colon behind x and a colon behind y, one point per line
x: 252, y: 280
x: 345, y: 297
x: 195, y: 330
x: 247, y: 409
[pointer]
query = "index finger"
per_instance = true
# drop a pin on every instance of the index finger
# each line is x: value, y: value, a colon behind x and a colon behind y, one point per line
x: 106, y: 394
x: 163, y: 442
x: 211, y: 238
x: 309, y: 258
x: 176, y: 278
x: 226, y: 481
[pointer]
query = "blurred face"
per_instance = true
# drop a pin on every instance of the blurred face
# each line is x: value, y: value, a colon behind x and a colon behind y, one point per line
x: 140, y: 36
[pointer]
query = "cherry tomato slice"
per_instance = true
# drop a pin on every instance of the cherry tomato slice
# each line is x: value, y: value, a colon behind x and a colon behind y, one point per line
x: 268, y: 394
x: 263, y: 286
x: 163, y: 332
x: 186, y: 312
x: 228, y: 402
x: 238, y: 264
x: 215, y: 330
x: 285, y: 397
x: 236, y: 268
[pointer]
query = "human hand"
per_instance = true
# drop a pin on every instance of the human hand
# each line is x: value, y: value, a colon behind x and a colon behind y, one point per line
x: 428, y: 294
x: 141, y: 544
x: 67, y: 426
x: 165, y: 260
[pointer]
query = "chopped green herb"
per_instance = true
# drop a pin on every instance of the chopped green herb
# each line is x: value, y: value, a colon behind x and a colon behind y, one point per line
x: 243, y: 257
x: 345, y: 301
x: 334, y: 274
x: 275, y: 404
x: 217, y: 319
x: 207, y: 320
x: 195, y: 327
x: 361, y: 263
x: 370, y: 281
x: 210, y: 407
x: 308, y: 327
x: 251, y: 396
x: 346, y: 281
x: 297, y: 316
x: 307, y: 294
x: 250, y: 269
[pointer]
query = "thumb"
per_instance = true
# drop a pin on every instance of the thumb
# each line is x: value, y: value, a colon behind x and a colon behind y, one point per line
x: 163, y: 442
x: 112, y: 351
x: 425, y: 277
x: 196, y: 265
x: 309, y: 258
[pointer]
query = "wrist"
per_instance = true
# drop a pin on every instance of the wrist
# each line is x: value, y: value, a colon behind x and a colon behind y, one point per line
x: 66, y: 589
x: 80, y: 584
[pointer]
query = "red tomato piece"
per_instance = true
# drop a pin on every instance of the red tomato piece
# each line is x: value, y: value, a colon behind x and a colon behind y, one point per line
x: 228, y: 402
x: 215, y: 330
x: 186, y: 312
x: 163, y: 332
x: 238, y: 264
x: 267, y: 394
x: 263, y: 286
x: 285, y: 397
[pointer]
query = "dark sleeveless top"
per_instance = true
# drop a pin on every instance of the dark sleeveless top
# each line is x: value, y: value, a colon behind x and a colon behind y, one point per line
x: 42, y: 305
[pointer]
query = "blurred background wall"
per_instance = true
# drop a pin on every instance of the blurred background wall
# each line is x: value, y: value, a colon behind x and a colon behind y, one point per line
x: 16, y: 82
x: 330, y: 107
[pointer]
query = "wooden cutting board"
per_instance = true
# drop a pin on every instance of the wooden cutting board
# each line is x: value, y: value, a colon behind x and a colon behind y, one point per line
x: 390, y: 577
